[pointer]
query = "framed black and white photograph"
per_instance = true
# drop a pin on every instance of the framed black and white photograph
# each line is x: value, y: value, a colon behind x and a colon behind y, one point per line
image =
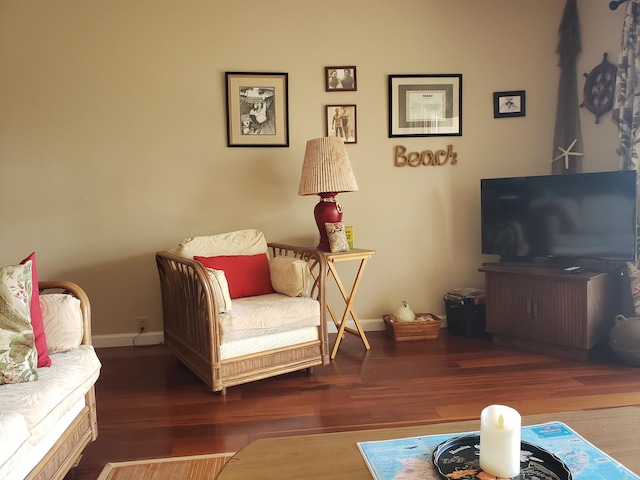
x: 509, y: 104
x: 257, y: 109
x: 425, y: 105
x: 341, y: 122
x: 340, y: 79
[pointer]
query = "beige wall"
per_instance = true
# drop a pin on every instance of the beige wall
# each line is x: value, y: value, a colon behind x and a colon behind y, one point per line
x: 113, y: 136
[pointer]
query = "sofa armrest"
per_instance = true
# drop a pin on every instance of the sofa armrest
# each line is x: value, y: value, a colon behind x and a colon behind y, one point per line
x: 70, y: 288
x: 66, y: 443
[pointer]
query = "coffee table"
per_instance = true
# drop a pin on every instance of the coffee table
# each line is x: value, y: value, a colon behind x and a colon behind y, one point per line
x: 616, y: 431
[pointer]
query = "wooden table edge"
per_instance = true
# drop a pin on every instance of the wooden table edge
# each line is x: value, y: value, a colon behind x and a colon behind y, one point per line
x: 330, y: 455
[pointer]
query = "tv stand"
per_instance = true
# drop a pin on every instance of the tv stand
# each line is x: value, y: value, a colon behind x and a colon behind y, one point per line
x: 549, y: 311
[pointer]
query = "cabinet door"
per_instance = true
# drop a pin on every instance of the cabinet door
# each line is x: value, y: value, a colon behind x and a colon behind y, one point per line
x: 509, y: 305
x: 559, y: 311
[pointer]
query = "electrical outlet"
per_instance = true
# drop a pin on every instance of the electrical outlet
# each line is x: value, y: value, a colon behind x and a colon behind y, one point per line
x: 142, y: 324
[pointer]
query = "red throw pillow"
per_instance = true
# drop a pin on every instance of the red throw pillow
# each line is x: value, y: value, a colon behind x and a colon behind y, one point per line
x: 247, y: 275
x: 36, y: 316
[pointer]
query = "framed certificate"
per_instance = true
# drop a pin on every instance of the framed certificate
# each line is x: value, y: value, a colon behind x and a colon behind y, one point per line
x: 425, y: 105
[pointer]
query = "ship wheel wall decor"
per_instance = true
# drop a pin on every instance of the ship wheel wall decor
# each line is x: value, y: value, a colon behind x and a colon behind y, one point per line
x: 599, y: 88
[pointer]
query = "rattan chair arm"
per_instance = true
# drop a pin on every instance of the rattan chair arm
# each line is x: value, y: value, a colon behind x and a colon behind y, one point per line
x: 189, y: 307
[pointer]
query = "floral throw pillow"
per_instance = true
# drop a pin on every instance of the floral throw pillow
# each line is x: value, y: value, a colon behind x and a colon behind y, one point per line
x: 337, y: 237
x: 18, y: 355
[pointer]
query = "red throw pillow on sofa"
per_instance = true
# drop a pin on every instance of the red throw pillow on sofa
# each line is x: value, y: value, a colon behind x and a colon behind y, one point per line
x: 36, y: 316
x: 247, y: 275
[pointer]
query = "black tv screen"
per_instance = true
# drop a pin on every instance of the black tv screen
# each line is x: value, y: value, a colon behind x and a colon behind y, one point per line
x: 584, y: 215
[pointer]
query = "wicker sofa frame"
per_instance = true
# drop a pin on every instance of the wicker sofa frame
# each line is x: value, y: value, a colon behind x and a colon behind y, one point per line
x: 192, y: 329
x: 67, y: 451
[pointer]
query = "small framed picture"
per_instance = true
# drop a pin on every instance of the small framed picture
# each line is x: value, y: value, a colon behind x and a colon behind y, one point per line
x: 340, y: 79
x: 341, y: 122
x: 509, y: 104
x: 425, y: 105
x: 257, y: 109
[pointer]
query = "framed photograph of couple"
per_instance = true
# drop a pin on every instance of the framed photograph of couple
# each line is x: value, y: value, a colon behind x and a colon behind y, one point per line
x: 425, y: 105
x: 340, y: 79
x: 341, y: 122
x: 257, y: 109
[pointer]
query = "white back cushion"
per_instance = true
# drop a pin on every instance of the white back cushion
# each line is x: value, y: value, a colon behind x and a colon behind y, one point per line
x: 62, y: 320
x: 220, y: 289
x: 241, y: 242
x: 290, y: 276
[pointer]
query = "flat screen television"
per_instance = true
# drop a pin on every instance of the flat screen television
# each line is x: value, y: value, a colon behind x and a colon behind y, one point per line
x: 564, y: 217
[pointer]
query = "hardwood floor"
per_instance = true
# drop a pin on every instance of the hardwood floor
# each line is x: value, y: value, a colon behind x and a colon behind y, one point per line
x: 150, y: 405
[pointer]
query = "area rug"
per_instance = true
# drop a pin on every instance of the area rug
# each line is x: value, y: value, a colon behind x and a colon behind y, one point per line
x: 197, y: 467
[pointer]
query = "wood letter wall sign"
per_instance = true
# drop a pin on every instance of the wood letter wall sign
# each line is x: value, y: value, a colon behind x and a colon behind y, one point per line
x: 426, y: 157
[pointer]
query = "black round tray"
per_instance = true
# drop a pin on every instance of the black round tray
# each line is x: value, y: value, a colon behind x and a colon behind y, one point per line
x: 462, y: 454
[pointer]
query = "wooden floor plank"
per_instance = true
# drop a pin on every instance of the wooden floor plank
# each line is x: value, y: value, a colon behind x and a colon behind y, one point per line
x: 150, y: 405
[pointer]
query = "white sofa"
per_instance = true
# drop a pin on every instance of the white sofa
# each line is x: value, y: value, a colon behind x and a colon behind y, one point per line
x: 46, y: 424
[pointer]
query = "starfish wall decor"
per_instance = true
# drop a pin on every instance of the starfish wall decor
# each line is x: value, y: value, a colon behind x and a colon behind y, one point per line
x: 566, y: 153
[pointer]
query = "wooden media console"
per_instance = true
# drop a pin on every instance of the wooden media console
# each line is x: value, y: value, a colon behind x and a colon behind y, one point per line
x: 547, y: 310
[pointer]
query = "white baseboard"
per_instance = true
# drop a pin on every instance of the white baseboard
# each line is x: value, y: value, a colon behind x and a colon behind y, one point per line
x: 153, y: 338
x: 126, y: 339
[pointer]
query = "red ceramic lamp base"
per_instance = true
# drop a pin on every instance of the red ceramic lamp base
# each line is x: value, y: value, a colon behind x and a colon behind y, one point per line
x: 328, y: 210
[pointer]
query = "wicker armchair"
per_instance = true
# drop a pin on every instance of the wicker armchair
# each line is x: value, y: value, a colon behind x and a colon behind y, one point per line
x: 194, y: 326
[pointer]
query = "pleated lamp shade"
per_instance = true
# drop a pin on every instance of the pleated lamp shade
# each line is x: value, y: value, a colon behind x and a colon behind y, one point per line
x: 326, y: 168
x: 326, y: 171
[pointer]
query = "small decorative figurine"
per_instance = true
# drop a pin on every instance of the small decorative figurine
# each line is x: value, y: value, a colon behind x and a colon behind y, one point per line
x: 404, y: 313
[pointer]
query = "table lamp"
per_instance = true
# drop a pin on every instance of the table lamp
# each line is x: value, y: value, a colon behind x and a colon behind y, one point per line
x: 326, y: 171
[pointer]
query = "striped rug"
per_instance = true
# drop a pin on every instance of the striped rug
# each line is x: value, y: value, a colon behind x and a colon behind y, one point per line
x: 197, y: 467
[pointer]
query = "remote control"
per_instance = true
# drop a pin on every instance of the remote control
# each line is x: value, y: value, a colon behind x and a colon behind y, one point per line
x: 573, y: 269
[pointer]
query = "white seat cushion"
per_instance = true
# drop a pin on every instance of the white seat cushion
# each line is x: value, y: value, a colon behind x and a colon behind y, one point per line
x: 13, y: 434
x: 249, y: 346
x: 266, y: 314
x: 43, y: 402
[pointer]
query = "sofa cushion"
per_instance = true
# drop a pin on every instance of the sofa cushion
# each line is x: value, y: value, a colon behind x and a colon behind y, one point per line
x: 220, y: 289
x: 247, y: 275
x: 13, y: 434
x: 290, y: 276
x: 241, y: 242
x: 36, y: 315
x: 18, y: 355
x: 271, y: 341
x: 59, y: 387
x: 266, y: 314
x: 62, y: 319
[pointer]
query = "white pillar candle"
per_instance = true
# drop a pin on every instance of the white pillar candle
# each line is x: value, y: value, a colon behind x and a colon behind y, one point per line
x: 500, y: 441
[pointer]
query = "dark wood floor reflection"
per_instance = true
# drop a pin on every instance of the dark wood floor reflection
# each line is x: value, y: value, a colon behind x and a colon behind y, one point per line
x: 150, y: 405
